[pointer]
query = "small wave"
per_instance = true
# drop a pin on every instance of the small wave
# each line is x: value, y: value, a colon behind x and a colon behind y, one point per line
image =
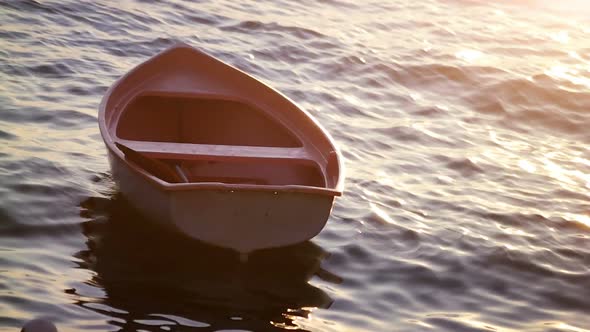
x: 143, y: 49
x: 490, y: 107
x: 19, y: 169
x: 55, y: 119
x: 53, y: 70
x: 13, y: 70
x: 202, y: 18
x: 100, y: 16
x: 429, y: 111
x: 516, y: 261
x: 13, y: 35
x: 6, y: 135
x: 357, y: 252
x: 78, y: 91
x: 428, y: 74
x: 516, y: 219
x: 339, y: 3
x: 37, y: 189
x: 527, y: 103
x: 464, y: 166
x: 291, y: 53
x: 553, y: 119
x: 524, y: 51
x: 257, y: 26
x: 411, y: 135
x: 28, y: 6
x: 572, y: 254
x: 436, y: 72
x: 456, y: 325
x: 417, y: 275
x: 560, y: 286
x: 564, y: 193
x: 7, y: 218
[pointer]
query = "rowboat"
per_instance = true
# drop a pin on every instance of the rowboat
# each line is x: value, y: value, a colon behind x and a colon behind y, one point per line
x: 207, y: 150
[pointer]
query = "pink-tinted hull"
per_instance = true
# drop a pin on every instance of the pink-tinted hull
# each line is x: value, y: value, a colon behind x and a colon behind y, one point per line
x: 243, y: 220
x: 256, y: 171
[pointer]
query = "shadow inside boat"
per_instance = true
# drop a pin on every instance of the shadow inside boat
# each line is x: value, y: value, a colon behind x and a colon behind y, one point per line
x: 154, y: 278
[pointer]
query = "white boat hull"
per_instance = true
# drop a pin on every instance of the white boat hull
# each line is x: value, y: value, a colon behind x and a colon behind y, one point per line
x: 207, y: 150
x: 243, y: 220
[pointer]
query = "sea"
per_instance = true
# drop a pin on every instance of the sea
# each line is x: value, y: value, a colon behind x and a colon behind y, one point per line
x: 464, y: 127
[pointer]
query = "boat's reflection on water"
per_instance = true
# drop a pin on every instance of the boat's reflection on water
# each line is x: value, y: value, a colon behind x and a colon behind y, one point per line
x: 152, y: 278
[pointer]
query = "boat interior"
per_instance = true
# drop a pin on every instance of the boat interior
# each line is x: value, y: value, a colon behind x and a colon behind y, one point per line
x: 216, y: 140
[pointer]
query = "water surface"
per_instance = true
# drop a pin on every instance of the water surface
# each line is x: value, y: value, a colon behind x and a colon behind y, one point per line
x: 464, y: 126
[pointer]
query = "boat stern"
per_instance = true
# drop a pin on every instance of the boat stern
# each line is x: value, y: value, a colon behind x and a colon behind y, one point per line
x: 249, y: 220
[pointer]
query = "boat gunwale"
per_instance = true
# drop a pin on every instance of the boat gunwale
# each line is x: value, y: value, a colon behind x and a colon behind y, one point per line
x: 110, y: 140
x: 231, y: 187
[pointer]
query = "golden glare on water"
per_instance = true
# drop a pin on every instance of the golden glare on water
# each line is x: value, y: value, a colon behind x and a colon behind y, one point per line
x: 561, y: 37
x: 569, y: 74
x: 570, y: 328
x: 469, y: 55
x: 564, y: 5
x: 381, y: 213
x: 583, y: 219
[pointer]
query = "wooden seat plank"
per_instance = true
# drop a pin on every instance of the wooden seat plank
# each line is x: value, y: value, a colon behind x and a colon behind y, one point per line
x: 189, y: 151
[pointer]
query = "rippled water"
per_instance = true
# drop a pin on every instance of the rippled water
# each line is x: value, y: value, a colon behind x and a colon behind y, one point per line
x: 465, y: 130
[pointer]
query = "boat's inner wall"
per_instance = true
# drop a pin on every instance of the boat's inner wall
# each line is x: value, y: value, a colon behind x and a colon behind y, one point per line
x: 250, y: 172
x: 201, y: 121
